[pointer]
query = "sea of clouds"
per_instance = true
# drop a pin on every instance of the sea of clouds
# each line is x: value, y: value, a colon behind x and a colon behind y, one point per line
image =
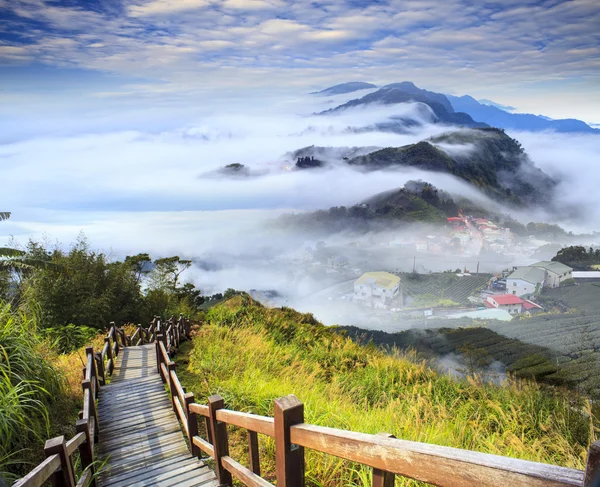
x: 134, y: 178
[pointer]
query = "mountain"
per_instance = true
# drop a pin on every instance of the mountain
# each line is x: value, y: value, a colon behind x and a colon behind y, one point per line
x: 407, y: 92
x: 487, y: 158
x: 345, y: 88
x: 496, y: 117
x: 490, y: 103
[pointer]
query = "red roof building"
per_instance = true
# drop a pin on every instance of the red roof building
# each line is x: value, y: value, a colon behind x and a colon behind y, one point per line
x: 509, y: 302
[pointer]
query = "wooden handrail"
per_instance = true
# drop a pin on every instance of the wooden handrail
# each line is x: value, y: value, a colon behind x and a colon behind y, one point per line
x: 387, y: 456
x: 40, y: 474
x: 58, y: 464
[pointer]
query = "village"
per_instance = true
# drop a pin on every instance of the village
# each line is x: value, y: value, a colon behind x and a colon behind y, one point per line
x: 464, y: 269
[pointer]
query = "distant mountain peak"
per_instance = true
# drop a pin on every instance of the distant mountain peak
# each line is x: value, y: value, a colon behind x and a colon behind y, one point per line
x: 408, y: 92
x: 490, y: 103
x: 342, y: 88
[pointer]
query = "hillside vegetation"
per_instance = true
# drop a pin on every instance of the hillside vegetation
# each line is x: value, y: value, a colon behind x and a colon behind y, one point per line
x: 487, y: 158
x: 251, y: 355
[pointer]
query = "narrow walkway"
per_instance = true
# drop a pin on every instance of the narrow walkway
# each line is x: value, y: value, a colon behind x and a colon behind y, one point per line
x: 139, y: 432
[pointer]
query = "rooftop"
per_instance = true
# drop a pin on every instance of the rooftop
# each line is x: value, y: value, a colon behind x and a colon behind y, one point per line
x: 507, y: 299
x: 534, y: 275
x: 556, y: 267
x: 381, y: 279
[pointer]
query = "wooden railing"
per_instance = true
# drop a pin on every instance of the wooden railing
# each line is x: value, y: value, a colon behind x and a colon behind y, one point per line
x: 387, y: 456
x: 58, y: 467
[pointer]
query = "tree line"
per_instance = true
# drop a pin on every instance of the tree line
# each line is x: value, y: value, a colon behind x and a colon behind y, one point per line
x: 84, y: 287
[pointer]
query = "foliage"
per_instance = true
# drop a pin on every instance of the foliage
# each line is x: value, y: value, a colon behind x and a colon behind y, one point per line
x: 578, y: 257
x: 29, y: 386
x: 82, y: 288
x: 69, y: 337
x: 251, y: 355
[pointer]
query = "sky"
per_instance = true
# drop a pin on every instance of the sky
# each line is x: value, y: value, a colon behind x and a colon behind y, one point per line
x: 538, y: 56
x: 117, y: 115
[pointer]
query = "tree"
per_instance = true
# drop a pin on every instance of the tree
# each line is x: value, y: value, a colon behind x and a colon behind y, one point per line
x: 140, y: 264
x: 81, y: 288
x: 166, y: 272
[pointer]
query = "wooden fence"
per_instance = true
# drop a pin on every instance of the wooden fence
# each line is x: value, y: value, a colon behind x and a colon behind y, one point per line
x: 58, y: 467
x: 387, y: 456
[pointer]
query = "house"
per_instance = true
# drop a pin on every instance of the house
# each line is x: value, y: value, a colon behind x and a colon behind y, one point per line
x: 556, y: 272
x: 377, y: 289
x: 337, y: 262
x: 526, y: 281
x: 507, y: 302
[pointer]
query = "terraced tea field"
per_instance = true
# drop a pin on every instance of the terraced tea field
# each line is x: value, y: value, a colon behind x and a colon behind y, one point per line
x: 585, y: 297
x: 575, y: 338
x: 444, y: 285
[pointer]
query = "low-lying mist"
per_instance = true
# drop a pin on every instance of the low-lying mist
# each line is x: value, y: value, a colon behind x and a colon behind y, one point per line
x: 144, y: 188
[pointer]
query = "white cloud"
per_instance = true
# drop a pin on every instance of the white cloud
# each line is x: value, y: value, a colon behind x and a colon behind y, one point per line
x: 159, y: 7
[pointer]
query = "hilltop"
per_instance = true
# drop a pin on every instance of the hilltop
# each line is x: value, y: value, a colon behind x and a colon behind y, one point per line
x: 489, y: 159
x: 251, y: 354
x: 407, y: 92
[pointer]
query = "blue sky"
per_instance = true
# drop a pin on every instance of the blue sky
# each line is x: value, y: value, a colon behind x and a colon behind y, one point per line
x: 540, y: 56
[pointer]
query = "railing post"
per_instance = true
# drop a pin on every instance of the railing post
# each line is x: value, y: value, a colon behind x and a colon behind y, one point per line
x: 219, y: 437
x: 171, y: 367
x: 100, y: 367
x: 380, y: 477
x: 192, y: 423
x: 159, y: 338
x: 65, y: 477
x: 289, y: 458
x: 89, y: 352
x: 86, y: 449
x: 592, y: 469
x: 86, y: 384
x: 109, y: 353
x: 253, y: 454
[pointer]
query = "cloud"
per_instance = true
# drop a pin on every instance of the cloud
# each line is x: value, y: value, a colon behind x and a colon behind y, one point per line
x: 544, y: 48
x: 158, y: 7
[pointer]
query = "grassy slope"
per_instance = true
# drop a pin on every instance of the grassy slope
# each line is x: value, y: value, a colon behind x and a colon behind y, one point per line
x: 251, y: 355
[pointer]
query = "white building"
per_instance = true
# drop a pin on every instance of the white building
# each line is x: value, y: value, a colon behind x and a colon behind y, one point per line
x: 556, y: 272
x: 525, y: 281
x: 337, y: 262
x: 376, y: 289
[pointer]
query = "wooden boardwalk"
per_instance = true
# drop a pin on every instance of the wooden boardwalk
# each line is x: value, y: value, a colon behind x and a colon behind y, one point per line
x: 140, y: 434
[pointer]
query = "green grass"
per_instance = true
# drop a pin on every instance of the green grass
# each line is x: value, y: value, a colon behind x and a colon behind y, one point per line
x: 40, y: 392
x: 252, y: 355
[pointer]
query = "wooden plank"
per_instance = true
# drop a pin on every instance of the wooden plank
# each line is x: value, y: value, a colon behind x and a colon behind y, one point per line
x: 243, y: 474
x: 166, y: 475
x: 85, y: 479
x: 200, y: 409
x: 205, y: 446
x: 252, y: 422
x: 74, y: 443
x: 445, y: 466
x: 40, y: 474
x: 156, y: 468
x: 141, y: 435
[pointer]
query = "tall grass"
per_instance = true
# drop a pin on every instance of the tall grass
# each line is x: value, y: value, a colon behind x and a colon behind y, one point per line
x: 251, y: 355
x: 28, y: 385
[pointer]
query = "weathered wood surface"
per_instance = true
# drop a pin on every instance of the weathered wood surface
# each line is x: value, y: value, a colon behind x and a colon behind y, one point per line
x: 140, y: 434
